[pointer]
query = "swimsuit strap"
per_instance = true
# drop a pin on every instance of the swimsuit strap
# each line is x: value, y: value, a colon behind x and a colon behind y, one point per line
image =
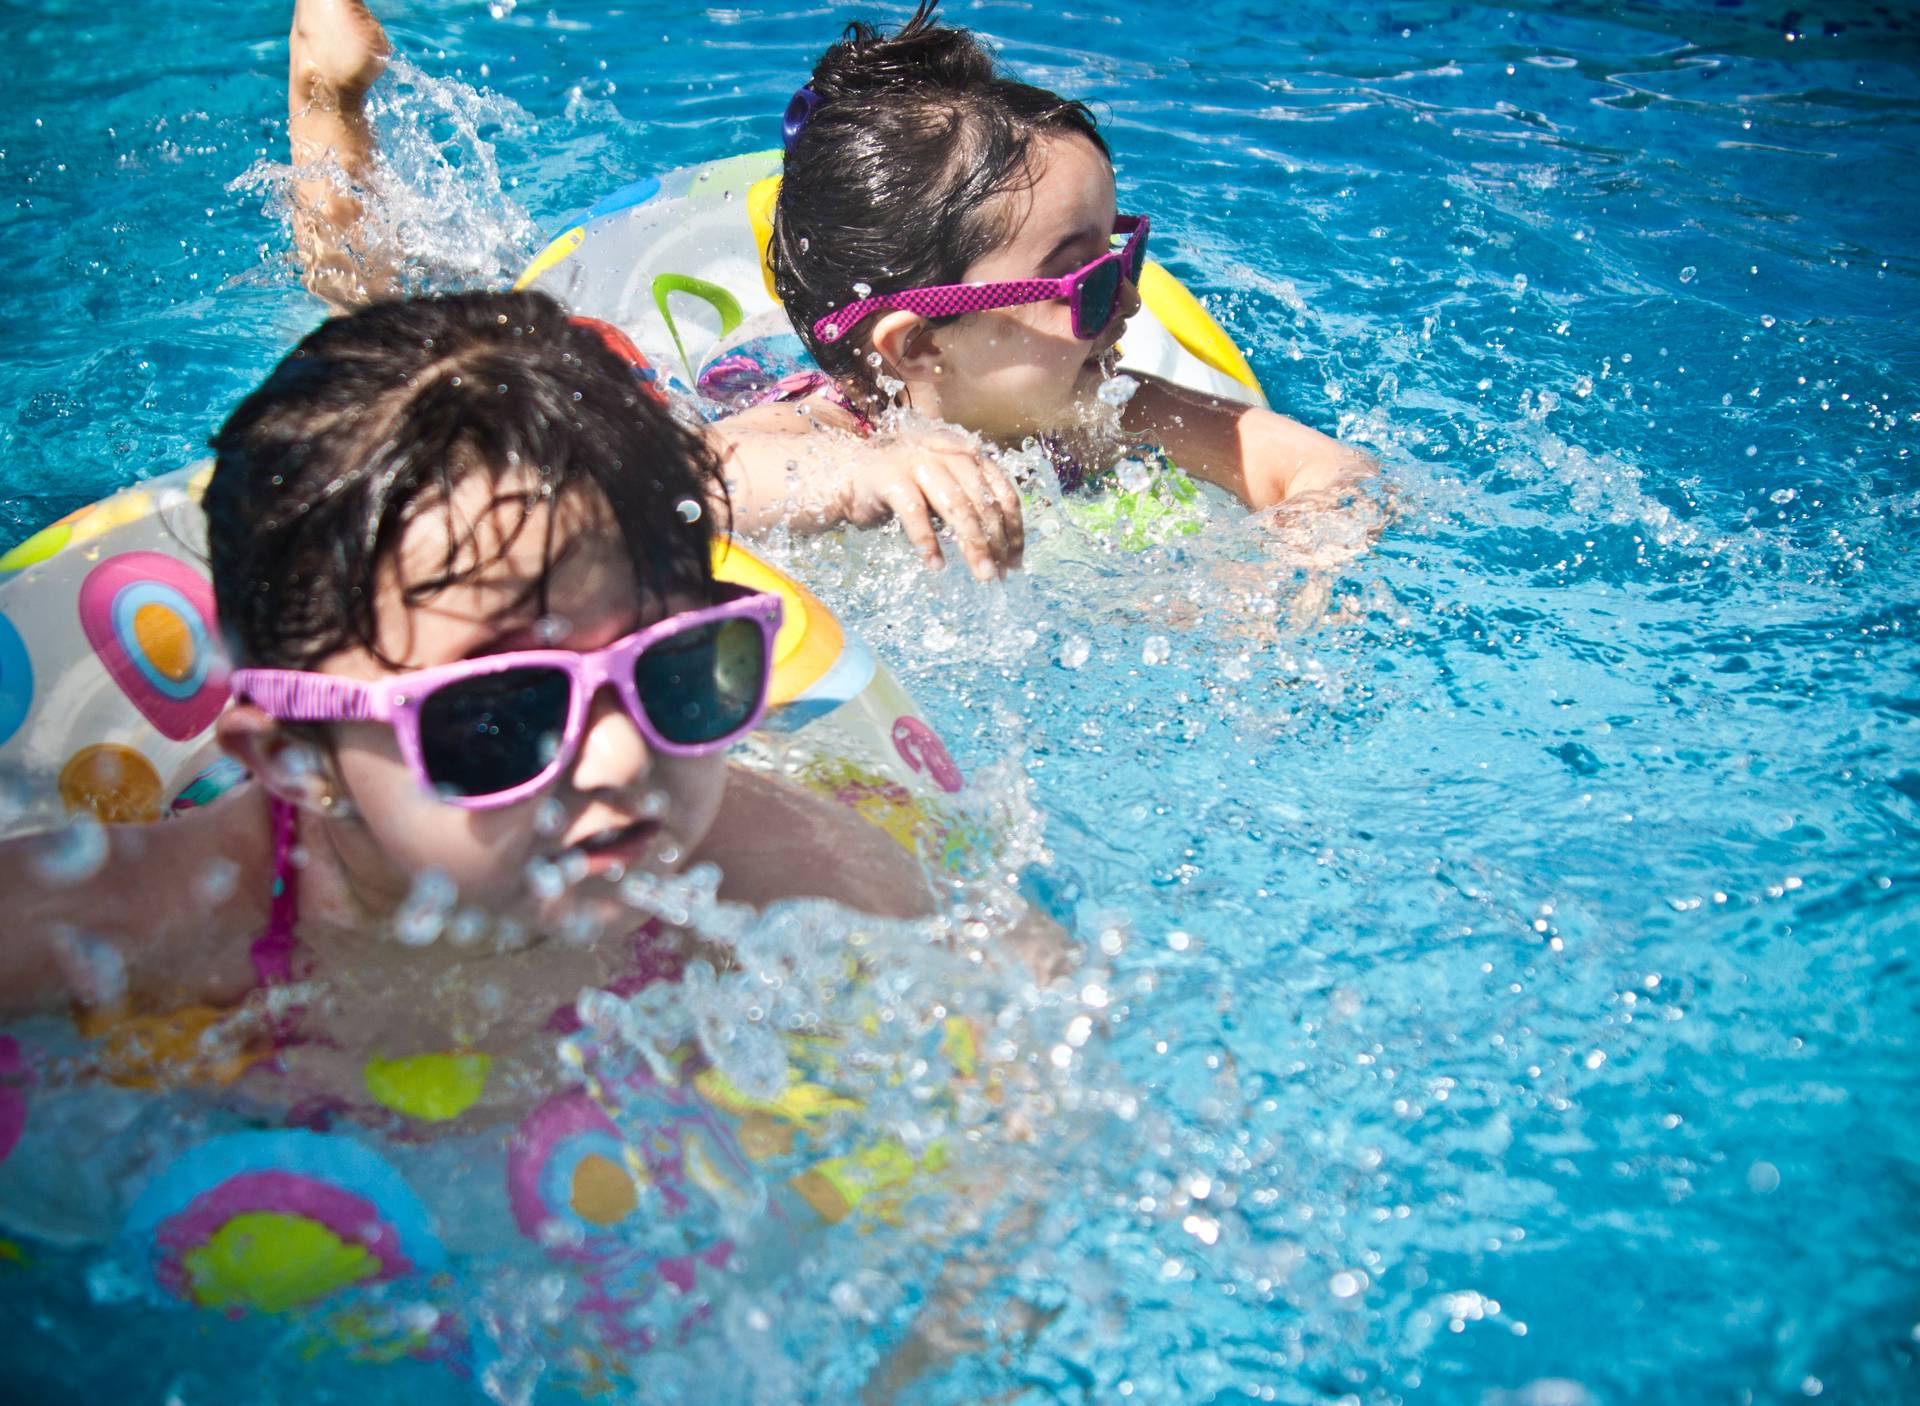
x: 802, y: 384
x: 1072, y: 475
x: 273, y: 949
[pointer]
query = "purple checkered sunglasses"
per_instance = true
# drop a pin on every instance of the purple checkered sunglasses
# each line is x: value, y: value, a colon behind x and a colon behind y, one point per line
x: 491, y: 731
x: 1092, y: 292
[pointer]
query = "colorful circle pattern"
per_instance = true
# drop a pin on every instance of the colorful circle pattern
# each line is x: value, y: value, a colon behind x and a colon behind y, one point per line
x: 149, y: 618
x: 275, y: 1220
x: 16, y: 680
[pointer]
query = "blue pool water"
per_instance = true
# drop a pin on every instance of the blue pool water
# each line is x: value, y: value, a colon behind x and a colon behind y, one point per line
x: 1507, y: 911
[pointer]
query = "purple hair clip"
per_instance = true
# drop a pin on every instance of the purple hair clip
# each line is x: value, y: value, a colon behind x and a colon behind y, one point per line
x: 800, y: 109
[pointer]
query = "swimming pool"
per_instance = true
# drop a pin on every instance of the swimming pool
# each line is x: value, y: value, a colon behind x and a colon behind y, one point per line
x: 1504, y: 923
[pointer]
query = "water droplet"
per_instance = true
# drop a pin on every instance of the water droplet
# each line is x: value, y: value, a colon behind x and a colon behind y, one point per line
x: 1347, y: 1283
x: 549, y: 817
x: 689, y: 509
x: 551, y: 629
x: 1687, y: 273
x: 1117, y: 390
x: 863, y: 290
x: 1762, y: 1178
x: 1074, y: 651
x: 428, y: 905
x: 1156, y: 650
x: 545, y: 879
x: 74, y: 853
x: 217, y: 881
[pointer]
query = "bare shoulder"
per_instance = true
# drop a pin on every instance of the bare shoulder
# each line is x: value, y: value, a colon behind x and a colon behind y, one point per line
x: 157, y: 912
x: 774, y: 840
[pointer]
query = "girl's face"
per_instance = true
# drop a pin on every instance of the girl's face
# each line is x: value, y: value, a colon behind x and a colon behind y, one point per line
x: 616, y: 806
x: 1014, y: 372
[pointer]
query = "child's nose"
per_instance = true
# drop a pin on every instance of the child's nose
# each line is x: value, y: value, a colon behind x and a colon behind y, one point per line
x: 1129, y: 300
x: 613, y: 752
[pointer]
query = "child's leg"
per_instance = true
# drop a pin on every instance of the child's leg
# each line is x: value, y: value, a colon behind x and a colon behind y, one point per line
x: 336, y: 50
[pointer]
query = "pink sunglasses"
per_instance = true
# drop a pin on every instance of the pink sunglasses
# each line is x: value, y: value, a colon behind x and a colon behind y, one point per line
x: 488, y: 732
x: 1092, y: 292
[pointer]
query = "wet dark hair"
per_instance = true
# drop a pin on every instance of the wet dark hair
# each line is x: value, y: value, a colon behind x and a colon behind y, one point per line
x: 377, y: 416
x: 890, y: 180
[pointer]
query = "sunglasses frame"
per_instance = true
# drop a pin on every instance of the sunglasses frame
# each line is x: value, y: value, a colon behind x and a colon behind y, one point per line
x: 301, y: 695
x: 953, y: 299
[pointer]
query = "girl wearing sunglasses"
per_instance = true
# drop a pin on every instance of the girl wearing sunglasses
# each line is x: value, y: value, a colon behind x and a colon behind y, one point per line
x: 463, y: 561
x: 947, y: 239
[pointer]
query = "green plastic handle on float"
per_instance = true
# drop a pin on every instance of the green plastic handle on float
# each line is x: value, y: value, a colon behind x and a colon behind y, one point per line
x: 712, y: 294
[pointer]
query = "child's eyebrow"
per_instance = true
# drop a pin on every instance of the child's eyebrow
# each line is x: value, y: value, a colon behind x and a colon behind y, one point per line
x: 1086, y: 234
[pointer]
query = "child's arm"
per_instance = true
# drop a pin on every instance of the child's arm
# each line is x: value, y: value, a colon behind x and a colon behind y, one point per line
x: 141, y: 920
x: 1259, y: 457
x: 335, y: 51
x: 773, y: 840
x: 781, y: 471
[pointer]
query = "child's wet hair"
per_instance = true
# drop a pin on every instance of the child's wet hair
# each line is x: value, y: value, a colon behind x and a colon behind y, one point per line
x: 892, y: 180
x: 377, y: 416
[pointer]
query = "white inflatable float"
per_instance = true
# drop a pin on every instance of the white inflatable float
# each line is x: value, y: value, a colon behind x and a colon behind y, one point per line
x: 678, y: 262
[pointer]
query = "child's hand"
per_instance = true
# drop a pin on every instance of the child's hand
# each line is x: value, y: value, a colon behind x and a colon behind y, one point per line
x: 915, y: 479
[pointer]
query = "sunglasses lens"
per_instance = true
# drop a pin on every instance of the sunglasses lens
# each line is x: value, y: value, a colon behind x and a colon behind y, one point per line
x: 703, y: 684
x: 483, y: 736
x: 1097, y: 292
x: 1136, y: 257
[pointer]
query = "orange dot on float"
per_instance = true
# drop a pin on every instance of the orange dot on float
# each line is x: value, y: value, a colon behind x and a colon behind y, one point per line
x: 164, y: 639
x: 116, y: 783
x: 603, y: 1190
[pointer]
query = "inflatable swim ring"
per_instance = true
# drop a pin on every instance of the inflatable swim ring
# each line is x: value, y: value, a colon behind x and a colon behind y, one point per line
x: 678, y: 261
x: 111, y: 675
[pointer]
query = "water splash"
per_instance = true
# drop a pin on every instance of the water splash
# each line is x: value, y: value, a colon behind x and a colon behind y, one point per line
x: 438, y: 211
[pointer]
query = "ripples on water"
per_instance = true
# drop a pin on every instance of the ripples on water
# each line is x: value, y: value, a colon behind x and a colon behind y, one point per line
x: 1501, y: 932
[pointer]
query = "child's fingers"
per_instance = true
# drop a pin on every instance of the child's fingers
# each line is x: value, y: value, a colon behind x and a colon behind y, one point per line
x: 999, y: 512
x: 1011, y: 513
x: 954, y: 505
x: 908, y: 504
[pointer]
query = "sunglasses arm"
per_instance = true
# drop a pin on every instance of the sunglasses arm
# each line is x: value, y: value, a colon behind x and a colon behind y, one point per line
x: 295, y: 696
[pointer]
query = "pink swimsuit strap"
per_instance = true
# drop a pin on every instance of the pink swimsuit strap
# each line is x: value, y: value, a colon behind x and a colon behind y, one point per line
x: 273, y: 949
x: 802, y: 384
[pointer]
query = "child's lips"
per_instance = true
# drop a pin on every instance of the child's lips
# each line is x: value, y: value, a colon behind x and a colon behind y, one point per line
x: 621, y: 846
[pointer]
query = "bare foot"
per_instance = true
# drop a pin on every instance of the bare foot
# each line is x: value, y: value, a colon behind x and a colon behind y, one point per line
x: 336, y: 50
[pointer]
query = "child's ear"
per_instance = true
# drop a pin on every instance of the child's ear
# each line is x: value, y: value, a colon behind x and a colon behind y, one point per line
x: 908, y: 344
x: 292, y: 767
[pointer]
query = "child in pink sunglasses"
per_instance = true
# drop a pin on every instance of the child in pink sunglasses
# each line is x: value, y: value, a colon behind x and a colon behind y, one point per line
x: 464, y: 561
x: 943, y: 244
x: 946, y: 239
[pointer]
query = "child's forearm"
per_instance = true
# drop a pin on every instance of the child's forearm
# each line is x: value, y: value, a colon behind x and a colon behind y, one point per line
x: 777, y: 477
x: 781, y: 470
x: 1258, y: 456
